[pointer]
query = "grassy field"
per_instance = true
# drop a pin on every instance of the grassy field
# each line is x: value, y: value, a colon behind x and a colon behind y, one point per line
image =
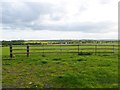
x: 59, y: 70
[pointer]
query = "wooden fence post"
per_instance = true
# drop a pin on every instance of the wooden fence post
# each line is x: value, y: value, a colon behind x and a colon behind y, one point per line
x: 27, y: 50
x: 113, y: 49
x: 95, y: 49
x: 43, y: 49
x: 78, y: 49
x: 60, y: 48
x: 11, y: 54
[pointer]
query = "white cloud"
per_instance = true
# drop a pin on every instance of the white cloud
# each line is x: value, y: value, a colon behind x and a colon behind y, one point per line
x: 46, y: 34
x: 59, y: 16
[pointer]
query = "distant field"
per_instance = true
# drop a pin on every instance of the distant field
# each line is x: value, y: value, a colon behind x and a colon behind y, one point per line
x: 59, y: 70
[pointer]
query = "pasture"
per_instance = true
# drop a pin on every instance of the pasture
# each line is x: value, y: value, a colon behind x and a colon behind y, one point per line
x: 59, y: 70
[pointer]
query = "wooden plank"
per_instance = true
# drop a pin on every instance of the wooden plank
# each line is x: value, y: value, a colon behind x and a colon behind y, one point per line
x: 19, y: 45
x: 18, y: 49
x: 40, y: 52
x: 55, y: 52
x: 56, y: 45
x: 97, y: 48
x: 20, y: 53
x: 56, y: 49
x: 104, y: 52
x: 68, y: 49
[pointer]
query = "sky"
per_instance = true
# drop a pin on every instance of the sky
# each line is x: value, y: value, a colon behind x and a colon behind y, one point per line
x: 58, y: 19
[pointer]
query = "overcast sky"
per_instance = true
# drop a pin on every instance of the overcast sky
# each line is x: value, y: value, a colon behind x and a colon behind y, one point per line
x: 59, y: 19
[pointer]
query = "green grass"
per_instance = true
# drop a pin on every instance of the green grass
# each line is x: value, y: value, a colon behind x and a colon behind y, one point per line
x: 59, y: 71
x: 5, y: 51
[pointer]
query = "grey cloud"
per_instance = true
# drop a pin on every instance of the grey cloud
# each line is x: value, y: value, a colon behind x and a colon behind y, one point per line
x: 105, y: 1
x: 86, y: 27
x: 22, y: 17
x: 82, y: 8
x: 28, y: 13
x: 56, y: 16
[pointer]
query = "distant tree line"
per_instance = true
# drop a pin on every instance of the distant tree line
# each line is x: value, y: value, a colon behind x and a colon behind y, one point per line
x: 13, y: 42
x: 39, y: 42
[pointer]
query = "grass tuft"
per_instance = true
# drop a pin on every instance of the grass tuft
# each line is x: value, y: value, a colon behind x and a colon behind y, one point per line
x: 57, y: 59
x: 43, y: 56
x: 84, y: 53
x: 44, y: 61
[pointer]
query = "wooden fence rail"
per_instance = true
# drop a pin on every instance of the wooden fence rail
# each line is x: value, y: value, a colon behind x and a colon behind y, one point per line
x: 62, y: 49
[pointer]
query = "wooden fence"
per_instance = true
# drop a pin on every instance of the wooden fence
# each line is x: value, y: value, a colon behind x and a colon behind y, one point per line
x: 62, y: 48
